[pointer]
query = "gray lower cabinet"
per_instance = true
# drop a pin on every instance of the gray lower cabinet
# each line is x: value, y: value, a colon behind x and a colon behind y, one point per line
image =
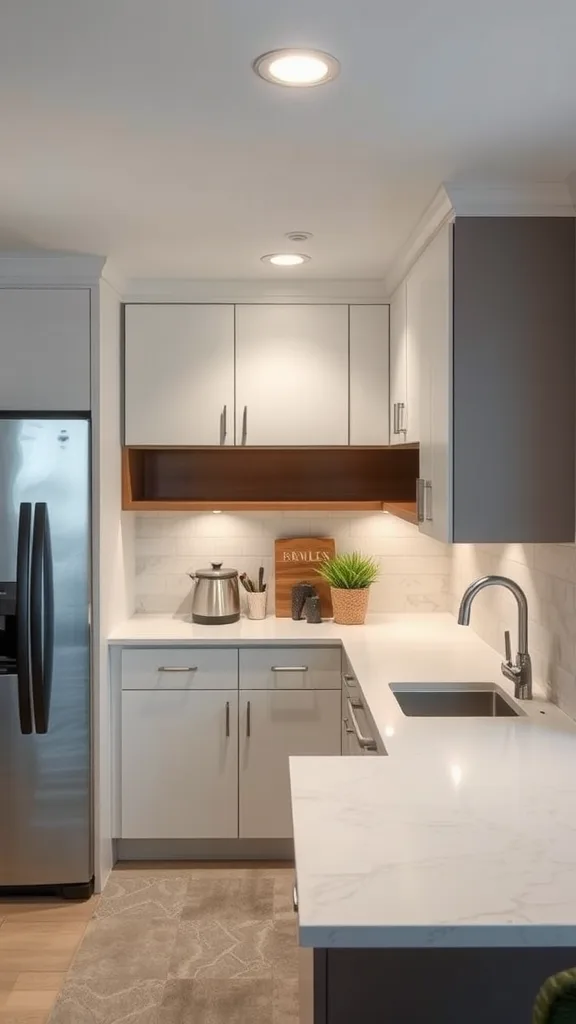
x: 439, y: 986
x: 275, y: 724
x: 200, y: 758
x: 179, y: 764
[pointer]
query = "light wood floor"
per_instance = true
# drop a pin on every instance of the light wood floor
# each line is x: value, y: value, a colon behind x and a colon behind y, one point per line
x: 37, y: 943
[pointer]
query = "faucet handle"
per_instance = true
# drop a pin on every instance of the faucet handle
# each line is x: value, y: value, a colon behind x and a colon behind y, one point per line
x: 508, y: 646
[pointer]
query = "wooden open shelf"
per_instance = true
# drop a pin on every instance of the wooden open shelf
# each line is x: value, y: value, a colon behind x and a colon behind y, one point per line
x: 405, y: 510
x: 271, y: 479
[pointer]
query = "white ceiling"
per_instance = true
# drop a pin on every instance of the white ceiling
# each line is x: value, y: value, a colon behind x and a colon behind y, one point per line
x: 136, y: 128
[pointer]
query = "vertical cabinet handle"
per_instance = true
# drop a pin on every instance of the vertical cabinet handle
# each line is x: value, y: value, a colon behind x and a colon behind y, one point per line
x: 401, y: 427
x: 245, y: 424
x: 223, y: 427
x: 366, y: 742
x: 420, y: 486
x: 248, y: 720
x: 428, y: 501
x: 395, y: 419
x: 227, y: 718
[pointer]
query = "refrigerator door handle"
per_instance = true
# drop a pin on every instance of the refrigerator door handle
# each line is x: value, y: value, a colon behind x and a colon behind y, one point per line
x: 41, y: 617
x: 23, y: 618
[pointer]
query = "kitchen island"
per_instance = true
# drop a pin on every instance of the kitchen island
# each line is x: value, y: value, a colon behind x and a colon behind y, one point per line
x: 439, y: 883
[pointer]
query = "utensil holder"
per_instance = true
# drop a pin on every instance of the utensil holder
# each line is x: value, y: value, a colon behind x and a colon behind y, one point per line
x: 256, y: 605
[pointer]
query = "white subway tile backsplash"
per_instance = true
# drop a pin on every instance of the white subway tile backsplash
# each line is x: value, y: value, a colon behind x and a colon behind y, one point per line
x: 419, y: 566
x: 415, y: 569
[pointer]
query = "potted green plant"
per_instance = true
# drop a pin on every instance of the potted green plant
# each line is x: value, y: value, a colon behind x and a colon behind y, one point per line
x: 350, y: 577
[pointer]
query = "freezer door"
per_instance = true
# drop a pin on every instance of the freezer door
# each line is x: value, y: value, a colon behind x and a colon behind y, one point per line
x: 45, y: 791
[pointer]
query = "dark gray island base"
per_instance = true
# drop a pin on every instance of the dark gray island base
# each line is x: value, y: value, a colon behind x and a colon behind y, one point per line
x: 432, y: 986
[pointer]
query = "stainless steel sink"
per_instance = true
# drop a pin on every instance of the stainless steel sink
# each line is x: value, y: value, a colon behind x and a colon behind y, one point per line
x: 454, y: 700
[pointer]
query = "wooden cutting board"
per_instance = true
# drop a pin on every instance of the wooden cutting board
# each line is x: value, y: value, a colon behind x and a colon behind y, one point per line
x: 295, y: 559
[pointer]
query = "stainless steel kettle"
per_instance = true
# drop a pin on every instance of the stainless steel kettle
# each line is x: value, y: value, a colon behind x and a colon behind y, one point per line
x: 216, y: 597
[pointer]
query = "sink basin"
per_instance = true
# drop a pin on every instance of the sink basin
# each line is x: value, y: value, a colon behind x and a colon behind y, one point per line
x: 454, y: 700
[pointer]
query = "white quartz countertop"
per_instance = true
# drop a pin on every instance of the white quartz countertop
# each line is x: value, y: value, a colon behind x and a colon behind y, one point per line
x: 465, y: 835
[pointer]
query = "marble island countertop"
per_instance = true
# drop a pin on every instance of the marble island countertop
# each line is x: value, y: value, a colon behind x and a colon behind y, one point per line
x: 465, y: 835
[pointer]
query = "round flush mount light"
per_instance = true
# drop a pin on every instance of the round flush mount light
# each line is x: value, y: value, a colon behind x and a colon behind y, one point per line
x: 285, y: 259
x: 297, y: 68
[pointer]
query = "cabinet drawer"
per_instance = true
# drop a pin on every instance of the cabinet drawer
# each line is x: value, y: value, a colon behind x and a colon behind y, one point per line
x: 290, y: 668
x: 179, y: 668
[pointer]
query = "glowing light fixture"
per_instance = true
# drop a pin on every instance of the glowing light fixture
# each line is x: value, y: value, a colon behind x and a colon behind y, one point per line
x: 285, y: 259
x: 297, y: 69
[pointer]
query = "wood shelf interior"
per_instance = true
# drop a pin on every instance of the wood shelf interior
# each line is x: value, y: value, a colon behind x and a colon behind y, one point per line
x: 252, y: 479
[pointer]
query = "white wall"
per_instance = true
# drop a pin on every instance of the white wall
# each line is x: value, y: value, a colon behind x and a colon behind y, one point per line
x: 113, y: 552
x: 547, y: 574
x: 415, y: 569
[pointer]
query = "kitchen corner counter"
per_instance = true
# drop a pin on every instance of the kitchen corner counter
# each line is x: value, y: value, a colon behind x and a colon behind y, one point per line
x: 464, y: 836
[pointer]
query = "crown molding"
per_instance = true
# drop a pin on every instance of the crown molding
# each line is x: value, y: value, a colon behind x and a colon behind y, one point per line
x: 255, y: 291
x: 34, y: 267
x: 437, y: 213
x: 536, y: 199
x: 114, y: 277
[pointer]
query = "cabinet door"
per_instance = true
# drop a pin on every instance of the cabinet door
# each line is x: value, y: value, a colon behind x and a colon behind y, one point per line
x: 429, y: 323
x: 179, y: 764
x: 292, y: 375
x: 45, y: 349
x: 179, y: 374
x: 369, y: 375
x: 275, y: 724
x: 398, y: 384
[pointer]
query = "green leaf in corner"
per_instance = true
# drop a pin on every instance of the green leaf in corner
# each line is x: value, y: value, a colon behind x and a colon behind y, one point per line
x: 350, y: 571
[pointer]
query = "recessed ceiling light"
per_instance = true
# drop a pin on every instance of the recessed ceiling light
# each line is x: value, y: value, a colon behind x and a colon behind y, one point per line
x: 285, y: 259
x: 297, y: 68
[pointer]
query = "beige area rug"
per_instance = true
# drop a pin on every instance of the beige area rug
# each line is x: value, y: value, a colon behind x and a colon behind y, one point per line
x: 187, y: 945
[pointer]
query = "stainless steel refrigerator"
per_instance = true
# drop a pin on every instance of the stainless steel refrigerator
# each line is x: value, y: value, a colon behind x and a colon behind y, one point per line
x: 45, y: 755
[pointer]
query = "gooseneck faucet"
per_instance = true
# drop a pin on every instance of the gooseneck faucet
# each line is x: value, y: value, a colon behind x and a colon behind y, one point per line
x: 520, y: 671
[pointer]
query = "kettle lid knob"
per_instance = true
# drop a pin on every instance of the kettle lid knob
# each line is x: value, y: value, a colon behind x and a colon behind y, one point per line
x: 216, y: 565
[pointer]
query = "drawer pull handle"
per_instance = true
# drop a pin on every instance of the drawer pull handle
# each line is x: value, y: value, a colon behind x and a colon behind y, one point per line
x: 295, y: 898
x: 365, y: 741
x: 349, y: 681
x: 289, y: 668
x: 248, y: 719
x: 227, y: 718
x: 178, y: 668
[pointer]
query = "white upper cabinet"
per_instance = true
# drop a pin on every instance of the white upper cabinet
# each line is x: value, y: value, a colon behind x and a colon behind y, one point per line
x: 369, y: 375
x: 429, y: 326
x: 404, y: 372
x: 292, y: 375
x: 398, y: 382
x: 45, y: 349
x: 179, y: 374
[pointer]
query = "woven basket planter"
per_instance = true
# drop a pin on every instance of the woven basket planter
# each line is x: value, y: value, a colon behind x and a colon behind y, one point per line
x: 349, y: 606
